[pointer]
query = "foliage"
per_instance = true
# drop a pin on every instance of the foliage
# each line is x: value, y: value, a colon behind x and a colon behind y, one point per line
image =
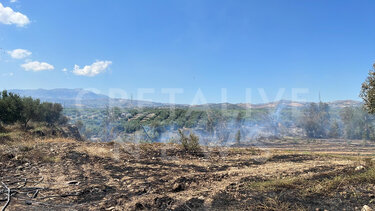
x: 189, y: 143
x: 14, y: 109
x: 335, y: 130
x: 357, y: 123
x: 11, y: 107
x: 368, y: 92
x: 238, y: 137
x: 315, y: 120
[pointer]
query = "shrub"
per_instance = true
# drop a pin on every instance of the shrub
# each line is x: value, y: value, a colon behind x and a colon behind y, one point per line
x: 190, y: 143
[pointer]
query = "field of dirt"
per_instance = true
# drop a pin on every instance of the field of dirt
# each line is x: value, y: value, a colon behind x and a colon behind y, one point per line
x: 63, y: 174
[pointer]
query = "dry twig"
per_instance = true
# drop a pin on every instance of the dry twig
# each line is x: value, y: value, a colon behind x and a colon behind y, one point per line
x: 9, y: 197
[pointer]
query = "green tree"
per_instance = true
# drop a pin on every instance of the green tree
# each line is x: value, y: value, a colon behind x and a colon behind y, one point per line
x: 357, y: 123
x: 316, y: 120
x: 368, y: 92
x: 51, y: 113
x: 31, y: 110
x: 210, y: 127
x: 238, y: 137
x: 11, y: 107
x: 335, y: 130
x: 240, y: 118
x: 79, y: 124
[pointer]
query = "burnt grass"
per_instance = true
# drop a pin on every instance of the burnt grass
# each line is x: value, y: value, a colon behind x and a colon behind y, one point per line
x: 70, y: 175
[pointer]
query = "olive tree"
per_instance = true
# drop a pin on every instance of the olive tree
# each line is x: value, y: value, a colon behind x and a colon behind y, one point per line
x: 368, y: 92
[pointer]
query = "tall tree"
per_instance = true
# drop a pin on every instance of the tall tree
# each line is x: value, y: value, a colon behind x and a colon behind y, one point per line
x: 316, y: 120
x: 11, y: 107
x: 368, y: 92
x: 335, y: 130
x: 30, y: 111
x: 238, y: 137
x: 357, y: 123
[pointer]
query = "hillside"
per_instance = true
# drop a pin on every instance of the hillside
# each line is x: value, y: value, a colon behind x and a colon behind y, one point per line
x: 81, y: 98
x: 88, y: 99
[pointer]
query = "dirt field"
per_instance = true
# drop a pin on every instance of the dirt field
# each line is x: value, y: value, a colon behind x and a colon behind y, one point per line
x: 62, y: 174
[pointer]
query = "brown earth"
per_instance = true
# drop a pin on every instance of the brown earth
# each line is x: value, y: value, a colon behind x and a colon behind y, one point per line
x: 63, y: 174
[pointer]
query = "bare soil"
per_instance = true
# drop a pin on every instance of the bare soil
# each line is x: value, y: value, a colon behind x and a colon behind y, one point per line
x: 63, y: 174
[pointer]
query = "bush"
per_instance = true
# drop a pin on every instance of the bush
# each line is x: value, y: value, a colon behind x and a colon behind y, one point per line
x: 190, y: 143
x: 14, y: 108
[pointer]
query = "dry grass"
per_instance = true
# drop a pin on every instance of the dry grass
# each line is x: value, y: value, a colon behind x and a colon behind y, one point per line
x: 274, y: 204
x: 95, y: 150
x: 276, y: 184
x: 248, y: 183
x: 57, y: 140
x: 323, y: 183
x: 331, y: 185
x: 245, y: 150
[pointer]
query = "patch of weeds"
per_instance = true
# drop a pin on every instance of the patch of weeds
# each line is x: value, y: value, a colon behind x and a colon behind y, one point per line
x: 276, y: 184
x: 190, y: 143
x: 323, y: 186
x: 330, y: 185
x: 278, y: 205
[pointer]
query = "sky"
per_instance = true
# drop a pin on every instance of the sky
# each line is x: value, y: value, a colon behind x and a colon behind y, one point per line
x: 271, y: 49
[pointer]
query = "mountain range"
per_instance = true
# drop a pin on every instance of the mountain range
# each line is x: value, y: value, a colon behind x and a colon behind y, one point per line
x: 88, y: 99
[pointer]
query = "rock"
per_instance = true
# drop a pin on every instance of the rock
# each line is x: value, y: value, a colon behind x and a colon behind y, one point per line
x: 73, y: 182
x: 366, y: 208
x: 177, y: 187
x: 71, y: 131
x: 360, y: 168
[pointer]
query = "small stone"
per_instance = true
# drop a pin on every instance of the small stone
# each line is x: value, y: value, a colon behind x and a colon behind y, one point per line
x: 73, y: 182
x: 360, y: 168
x: 366, y: 208
x: 28, y: 202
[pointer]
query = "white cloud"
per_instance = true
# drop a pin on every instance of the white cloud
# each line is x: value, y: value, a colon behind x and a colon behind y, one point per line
x: 92, y: 70
x: 8, y: 16
x: 36, y: 66
x: 19, y: 53
x: 64, y: 70
x: 13, y: 1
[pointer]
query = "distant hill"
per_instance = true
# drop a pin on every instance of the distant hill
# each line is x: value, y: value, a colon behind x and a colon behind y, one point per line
x: 281, y: 103
x: 59, y: 94
x: 291, y: 104
x: 88, y: 99
x: 81, y: 98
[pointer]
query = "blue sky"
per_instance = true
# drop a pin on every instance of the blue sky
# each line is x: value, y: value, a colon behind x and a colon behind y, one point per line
x: 322, y: 46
